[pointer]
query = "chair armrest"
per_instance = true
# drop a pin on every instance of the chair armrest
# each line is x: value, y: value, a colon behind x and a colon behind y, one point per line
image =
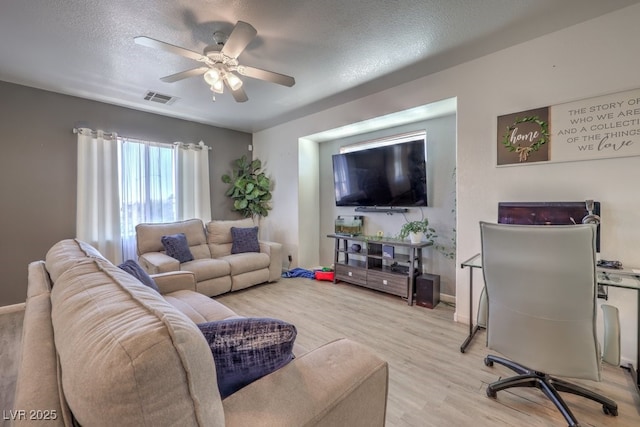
x: 157, y: 262
x: 274, y: 250
x: 175, y: 281
x: 340, y: 383
x: 37, y: 386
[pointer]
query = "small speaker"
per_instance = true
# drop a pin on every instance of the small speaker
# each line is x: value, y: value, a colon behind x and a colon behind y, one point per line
x: 428, y: 290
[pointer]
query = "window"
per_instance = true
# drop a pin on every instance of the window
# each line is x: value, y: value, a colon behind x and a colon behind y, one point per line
x: 147, y: 185
x: 383, y: 142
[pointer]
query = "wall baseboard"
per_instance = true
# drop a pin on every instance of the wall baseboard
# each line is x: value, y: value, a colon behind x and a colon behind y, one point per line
x: 449, y: 299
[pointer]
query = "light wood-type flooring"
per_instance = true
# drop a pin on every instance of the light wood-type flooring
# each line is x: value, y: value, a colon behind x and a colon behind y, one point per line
x: 430, y: 382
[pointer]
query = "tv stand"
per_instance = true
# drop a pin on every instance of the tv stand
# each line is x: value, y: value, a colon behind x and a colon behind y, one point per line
x: 378, y: 264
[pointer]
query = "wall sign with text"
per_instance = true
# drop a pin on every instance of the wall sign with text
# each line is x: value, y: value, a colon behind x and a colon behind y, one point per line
x: 595, y: 128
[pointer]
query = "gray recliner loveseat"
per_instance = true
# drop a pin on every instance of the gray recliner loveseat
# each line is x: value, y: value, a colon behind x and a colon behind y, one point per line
x: 216, y: 268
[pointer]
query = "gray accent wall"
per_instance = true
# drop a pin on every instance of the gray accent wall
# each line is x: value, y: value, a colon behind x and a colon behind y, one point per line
x: 38, y: 168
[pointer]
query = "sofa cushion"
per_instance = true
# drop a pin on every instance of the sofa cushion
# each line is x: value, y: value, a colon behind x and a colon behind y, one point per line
x: 244, y: 240
x: 207, y: 268
x: 245, y: 350
x: 246, y: 262
x: 148, y: 236
x: 199, y: 307
x: 66, y: 253
x: 155, y: 367
x: 219, y: 231
x: 176, y: 246
x: 134, y: 269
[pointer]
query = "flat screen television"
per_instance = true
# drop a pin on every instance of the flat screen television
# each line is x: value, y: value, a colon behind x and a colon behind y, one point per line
x: 547, y: 213
x: 392, y: 175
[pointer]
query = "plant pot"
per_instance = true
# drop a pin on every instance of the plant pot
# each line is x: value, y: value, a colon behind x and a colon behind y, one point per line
x: 416, y: 237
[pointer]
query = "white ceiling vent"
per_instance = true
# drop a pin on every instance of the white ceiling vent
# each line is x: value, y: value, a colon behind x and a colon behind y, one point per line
x: 159, y: 98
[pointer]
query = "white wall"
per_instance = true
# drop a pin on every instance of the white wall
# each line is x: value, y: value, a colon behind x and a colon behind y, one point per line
x: 308, y: 189
x: 590, y: 59
x: 281, y: 225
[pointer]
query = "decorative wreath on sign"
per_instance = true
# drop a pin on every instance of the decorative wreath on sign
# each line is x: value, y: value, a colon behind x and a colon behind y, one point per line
x: 524, y: 151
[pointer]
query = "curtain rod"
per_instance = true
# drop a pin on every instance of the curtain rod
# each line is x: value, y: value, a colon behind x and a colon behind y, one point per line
x: 201, y: 145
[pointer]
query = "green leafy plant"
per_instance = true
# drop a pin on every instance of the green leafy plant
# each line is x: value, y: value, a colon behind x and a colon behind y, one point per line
x: 421, y: 226
x: 250, y: 187
x: 449, y: 249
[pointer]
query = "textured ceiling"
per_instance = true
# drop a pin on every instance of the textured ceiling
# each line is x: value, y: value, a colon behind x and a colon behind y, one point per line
x: 337, y: 50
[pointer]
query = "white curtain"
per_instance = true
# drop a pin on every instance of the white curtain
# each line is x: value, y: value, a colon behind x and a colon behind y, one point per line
x: 148, y: 190
x: 98, y: 203
x: 123, y: 182
x: 192, y: 181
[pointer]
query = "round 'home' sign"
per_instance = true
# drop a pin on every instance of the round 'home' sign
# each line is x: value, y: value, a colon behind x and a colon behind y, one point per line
x: 523, y: 137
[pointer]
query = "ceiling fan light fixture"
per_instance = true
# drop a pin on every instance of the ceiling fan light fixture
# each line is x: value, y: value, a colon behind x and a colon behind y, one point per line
x: 219, y: 62
x: 218, y: 86
x: 233, y: 81
x: 212, y: 76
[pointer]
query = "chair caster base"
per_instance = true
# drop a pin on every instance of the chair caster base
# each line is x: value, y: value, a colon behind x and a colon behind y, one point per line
x: 491, y: 393
x: 549, y: 385
x: 610, y: 410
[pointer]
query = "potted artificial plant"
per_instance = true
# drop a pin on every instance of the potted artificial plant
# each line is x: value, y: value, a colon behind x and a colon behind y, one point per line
x: 250, y: 188
x: 417, y: 231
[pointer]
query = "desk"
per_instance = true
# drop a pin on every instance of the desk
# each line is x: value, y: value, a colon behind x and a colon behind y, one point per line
x: 606, y: 277
x: 473, y: 262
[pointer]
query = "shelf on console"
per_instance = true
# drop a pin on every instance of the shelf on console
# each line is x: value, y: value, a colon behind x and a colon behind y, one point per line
x: 381, y: 240
x: 356, y: 263
x: 380, y: 210
x: 362, y: 252
x: 388, y: 269
x: 396, y: 257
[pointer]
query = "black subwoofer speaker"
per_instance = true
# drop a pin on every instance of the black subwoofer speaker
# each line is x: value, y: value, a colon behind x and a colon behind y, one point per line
x: 428, y: 290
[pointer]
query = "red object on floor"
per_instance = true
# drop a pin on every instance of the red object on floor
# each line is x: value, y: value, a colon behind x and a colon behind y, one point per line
x: 324, y: 275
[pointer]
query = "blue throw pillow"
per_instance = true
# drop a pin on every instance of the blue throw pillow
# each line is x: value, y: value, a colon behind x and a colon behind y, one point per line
x: 244, y: 240
x: 134, y: 269
x: 247, y: 349
x: 176, y: 246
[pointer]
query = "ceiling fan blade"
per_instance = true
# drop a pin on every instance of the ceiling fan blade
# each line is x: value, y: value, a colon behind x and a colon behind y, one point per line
x: 238, y: 40
x: 268, y: 76
x: 184, y: 74
x: 157, y: 44
x: 239, y: 94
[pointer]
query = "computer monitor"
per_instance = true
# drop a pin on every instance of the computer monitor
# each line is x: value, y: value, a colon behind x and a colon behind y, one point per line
x: 548, y: 213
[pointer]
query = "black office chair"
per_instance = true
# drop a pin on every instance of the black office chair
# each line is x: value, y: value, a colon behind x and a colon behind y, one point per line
x: 541, y: 293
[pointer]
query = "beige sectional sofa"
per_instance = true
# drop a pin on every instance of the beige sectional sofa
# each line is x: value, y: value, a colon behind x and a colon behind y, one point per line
x: 217, y: 270
x: 102, y: 349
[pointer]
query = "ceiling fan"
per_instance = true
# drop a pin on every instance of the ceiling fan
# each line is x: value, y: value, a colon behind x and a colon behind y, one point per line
x: 220, y: 62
